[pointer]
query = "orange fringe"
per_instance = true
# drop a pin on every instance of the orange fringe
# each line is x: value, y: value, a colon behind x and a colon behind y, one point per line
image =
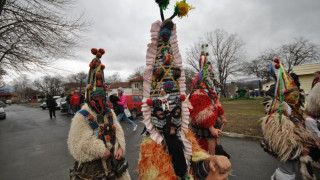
x: 153, y: 155
x: 192, y: 138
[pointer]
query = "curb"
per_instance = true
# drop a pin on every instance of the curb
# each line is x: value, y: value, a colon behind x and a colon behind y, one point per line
x: 236, y: 135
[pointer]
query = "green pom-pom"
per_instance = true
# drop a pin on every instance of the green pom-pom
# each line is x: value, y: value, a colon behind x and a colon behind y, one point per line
x: 163, y: 4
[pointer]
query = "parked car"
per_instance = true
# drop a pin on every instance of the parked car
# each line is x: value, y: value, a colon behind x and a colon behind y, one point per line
x: 44, y: 103
x: 63, y: 105
x: 2, y: 104
x: 9, y: 101
x: 2, y: 113
x: 134, y: 105
x: 134, y: 102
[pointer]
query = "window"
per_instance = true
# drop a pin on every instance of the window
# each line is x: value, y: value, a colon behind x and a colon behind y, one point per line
x: 135, y: 99
x: 136, y: 85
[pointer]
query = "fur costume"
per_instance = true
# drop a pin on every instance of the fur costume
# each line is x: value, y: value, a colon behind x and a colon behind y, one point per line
x: 313, y: 101
x: 88, y: 145
x: 284, y: 131
x: 169, y: 150
x: 85, y: 146
x: 206, y: 105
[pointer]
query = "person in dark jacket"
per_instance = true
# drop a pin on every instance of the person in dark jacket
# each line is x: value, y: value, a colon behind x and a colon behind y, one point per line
x: 116, y: 107
x: 51, y: 104
x: 68, y: 98
x: 82, y: 98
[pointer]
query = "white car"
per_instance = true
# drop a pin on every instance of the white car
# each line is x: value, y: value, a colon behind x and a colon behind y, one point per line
x: 58, y: 100
x: 2, y: 113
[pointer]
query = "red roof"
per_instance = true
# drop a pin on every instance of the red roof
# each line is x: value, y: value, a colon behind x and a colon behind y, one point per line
x: 138, y: 79
x: 119, y: 84
x: 8, y: 94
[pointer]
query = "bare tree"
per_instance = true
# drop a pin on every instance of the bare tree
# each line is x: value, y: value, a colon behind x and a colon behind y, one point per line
x: 2, y: 73
x: 115, y: 77
x: 80, y: 78
x: 298, y: 52
x: 23, y: 87
x: 137, y: 73
x: 33, y: 32
x: 193, y: 55
x: 49, y: 85
x: 226, y: 53
x: 189, y: 73
x: 260, y: 66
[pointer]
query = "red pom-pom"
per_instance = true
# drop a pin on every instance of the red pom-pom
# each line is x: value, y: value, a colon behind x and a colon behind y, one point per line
x: 99, y: 84
x: 94, y: 51
x: 276, y: 61
x: 277, y: 66
x: 286, y: 91
x: 149, y: 102
x: 182, y: 97
x: 90, y: 65
x: 98, y: 55
x: 93, y: 103
x: 105, y: 87
x: 102, y: 66
x: 99, y: 76
x: 102, y: 51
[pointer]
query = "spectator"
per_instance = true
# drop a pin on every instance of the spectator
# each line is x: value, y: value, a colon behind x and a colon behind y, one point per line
x: 123, y: 103
x: 51, y: 104
x: 313, y: 123
x: 316, y: 78
x: 116, y: 107
x: 68, y: 98
x: 82, y: 98
x: 75, y: 102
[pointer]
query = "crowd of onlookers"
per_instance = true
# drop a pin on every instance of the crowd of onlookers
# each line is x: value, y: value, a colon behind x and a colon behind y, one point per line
x: 74, y: 102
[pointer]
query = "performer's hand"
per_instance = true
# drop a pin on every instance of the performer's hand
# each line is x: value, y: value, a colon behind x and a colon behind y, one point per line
x: 215, y: 132
x: 119, y: 154
x: 106, y: 154
x: 217, y: 176
x: 219, y: 166
x: 223, y: 119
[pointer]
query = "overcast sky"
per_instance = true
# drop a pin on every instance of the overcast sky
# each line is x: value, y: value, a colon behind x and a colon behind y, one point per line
x: 122, y: 28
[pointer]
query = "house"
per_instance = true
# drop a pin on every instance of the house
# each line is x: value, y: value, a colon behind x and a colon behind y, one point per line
x: 113, y: 88
x: 137, y: 85
x: 8, y: 96
x: 76, y: 90
x: 306, y: 75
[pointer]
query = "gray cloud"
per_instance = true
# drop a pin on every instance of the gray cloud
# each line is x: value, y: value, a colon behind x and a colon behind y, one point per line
x: 122, y: 27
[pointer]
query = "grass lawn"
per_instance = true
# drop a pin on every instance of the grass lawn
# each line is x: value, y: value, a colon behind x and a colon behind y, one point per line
x: 35, y: 105
x: 243, y: 116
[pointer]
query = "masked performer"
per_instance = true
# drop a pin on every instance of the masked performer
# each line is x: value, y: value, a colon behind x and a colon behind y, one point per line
x: 284, y: 133
x: 96, y: 139
x: 206, y: 106
x: 169, y: 149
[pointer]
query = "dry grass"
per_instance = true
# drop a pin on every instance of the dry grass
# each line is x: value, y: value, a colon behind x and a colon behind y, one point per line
x: 35, y: 105
x: 244, y: 116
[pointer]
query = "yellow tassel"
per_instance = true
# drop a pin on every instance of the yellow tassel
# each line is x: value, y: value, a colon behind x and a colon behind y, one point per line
x: 183, y: 8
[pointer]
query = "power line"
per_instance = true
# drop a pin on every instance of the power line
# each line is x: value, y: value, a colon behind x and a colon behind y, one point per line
x: 61, y: 69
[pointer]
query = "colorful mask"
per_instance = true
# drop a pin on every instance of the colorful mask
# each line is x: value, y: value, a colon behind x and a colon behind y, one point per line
x: 96, y: 89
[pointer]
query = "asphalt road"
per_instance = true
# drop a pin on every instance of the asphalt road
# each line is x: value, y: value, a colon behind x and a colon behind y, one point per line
x: 33, y: 146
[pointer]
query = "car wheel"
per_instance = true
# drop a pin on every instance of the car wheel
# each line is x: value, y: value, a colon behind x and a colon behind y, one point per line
x: 43, y: 108
x: 133, y: 114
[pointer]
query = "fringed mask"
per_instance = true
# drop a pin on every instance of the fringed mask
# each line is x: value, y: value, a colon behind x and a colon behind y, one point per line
x: 96, y: 89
